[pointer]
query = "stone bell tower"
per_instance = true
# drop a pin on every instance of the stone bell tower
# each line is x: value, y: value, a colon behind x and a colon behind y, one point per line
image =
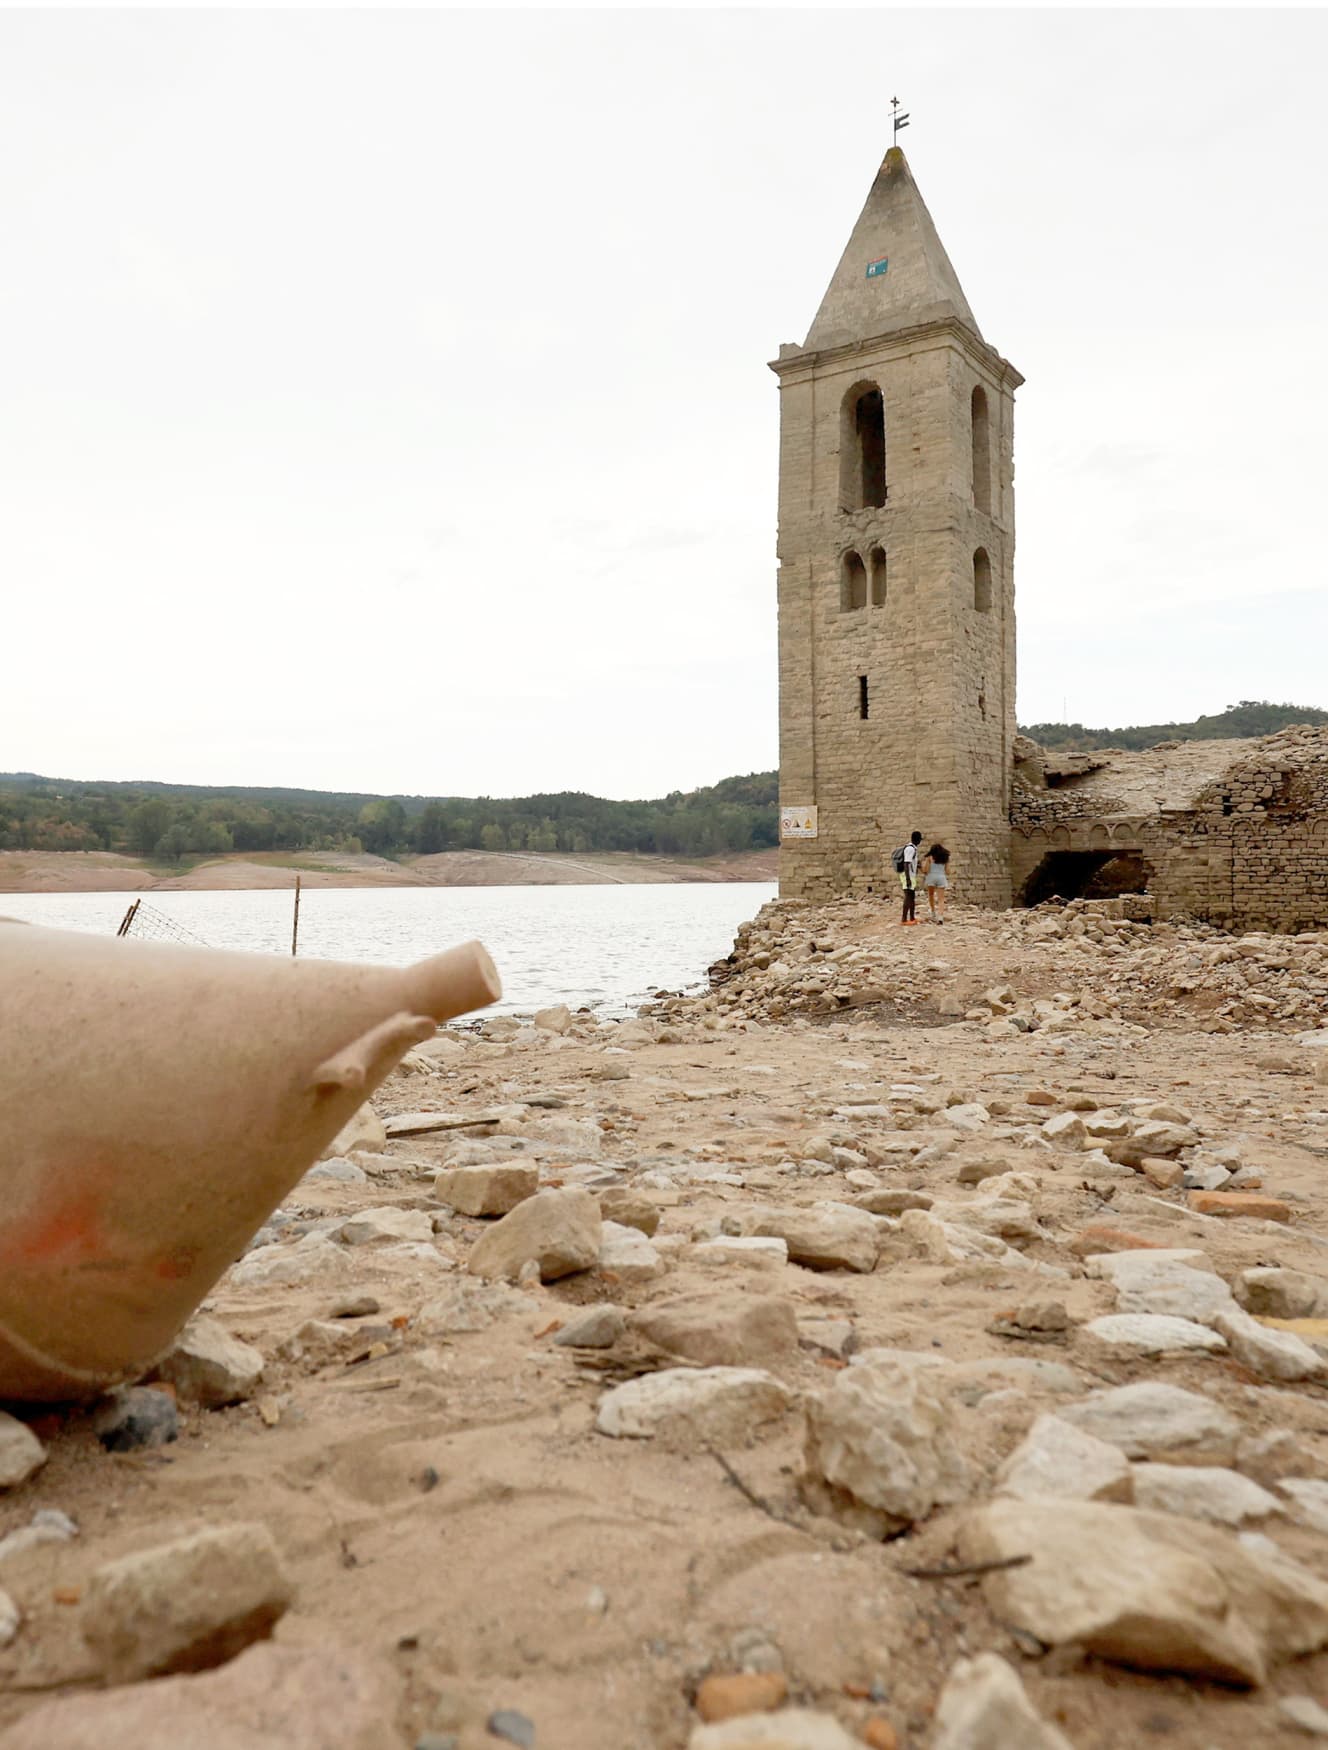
x: 896, y: 569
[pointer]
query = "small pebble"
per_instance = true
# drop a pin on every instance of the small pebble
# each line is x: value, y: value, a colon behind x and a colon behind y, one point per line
x: 136, y: 1416
x: 512, y: 1727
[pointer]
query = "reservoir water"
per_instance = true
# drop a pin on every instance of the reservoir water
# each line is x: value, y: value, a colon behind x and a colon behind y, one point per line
x: 604, y: 946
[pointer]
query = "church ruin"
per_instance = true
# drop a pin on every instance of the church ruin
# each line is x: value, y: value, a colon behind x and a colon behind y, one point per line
x: 897, y: 637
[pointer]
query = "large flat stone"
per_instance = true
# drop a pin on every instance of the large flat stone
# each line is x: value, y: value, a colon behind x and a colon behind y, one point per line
x: 1145, y: 1589
x: 1140, y: 1333
x: 693, y: 1406
x: 185, y: 1605
x: 1156, y: 1421
x: 828, y: 1236
x: 301, y: 1698
x: 1058, y: 1460
x: 487, y: 1190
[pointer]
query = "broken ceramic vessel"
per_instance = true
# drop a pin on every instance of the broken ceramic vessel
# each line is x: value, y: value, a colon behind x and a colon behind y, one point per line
x: 156, y: 1104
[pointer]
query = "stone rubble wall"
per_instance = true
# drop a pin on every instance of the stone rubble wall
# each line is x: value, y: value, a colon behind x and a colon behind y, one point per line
x: 1250, y: 852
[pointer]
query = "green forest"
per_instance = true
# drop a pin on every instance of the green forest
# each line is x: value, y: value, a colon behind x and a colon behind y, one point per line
x: 172, y: 822
x: 1251, y: 717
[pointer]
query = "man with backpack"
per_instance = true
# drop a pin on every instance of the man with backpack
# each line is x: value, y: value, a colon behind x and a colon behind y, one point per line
x: 905, y: 861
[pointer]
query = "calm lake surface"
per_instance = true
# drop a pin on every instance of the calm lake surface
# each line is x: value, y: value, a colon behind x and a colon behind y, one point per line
x: 605, y: 946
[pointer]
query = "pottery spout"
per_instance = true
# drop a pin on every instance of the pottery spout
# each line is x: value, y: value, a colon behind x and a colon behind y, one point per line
x: 156, y: 1104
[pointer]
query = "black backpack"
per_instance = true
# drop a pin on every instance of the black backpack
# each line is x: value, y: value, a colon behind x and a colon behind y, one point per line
x: 897, y: 858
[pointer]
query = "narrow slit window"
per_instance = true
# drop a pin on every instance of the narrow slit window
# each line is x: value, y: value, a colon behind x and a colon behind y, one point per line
x: 862, y: 697
x: 876, y: 564
x: 852, y: 582
x: 981, y: 452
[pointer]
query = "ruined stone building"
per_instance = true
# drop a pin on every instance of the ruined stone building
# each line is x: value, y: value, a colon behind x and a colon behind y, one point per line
x: 897, y: 638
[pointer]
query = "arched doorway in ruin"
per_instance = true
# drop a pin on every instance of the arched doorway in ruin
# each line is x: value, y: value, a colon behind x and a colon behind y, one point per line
x: 1101, y: 873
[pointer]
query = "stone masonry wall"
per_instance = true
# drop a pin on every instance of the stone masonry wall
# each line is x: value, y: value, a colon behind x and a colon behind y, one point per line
x: 935, y: 749
x: 1250, y: 852
x: 1253, y: 852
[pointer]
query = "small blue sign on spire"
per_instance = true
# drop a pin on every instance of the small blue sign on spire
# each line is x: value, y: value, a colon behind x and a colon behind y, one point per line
x: 877, y: 267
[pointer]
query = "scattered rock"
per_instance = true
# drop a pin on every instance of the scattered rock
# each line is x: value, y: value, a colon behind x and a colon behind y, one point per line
x: 1092, y: 1241
x: 301, y: 1698
x: 1269, y: 1353
x: 598, y: 1327
x: 185, y: 1605
x: 792, y: 1728
x: 983, y: 1707
x: 343, y: 1172
x: 559, y: 1231
x: 828, y: 1236
x: 693, y: 1406
x: 135, y: 1416
x: 726, y: 1329
x: 209, y: 1367
x: 487, y: 1190
x: 729, y: 1697
x: 629, y: 1209
x: 1282, y: 1294
x: 48, y: 1525
x: 1309, y: 1500
x: 1156, y: 1421
x: 21, y: 1453
x: 880, y: 1448
x: 1304, y: 1714
x: 557, y: 1019
x: 1058, y: 1460
x: 1151, y: 1334
x: 271, y: 1266
x: 1247, y: 1203
x: 760, y: 1253
x: 969, y: 1117
x: 1201, y: 1492
x: 626, y: 1253
x: 512, y: 1727
x: 375, y: 1226
x: 466, y: 1307
x: 10, y: 1619
x: 362, y: 1130
x: 884, y: 1202
x: 1145, y: 1589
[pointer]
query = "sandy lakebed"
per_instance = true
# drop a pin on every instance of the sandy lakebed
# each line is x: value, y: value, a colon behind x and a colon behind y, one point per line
x: 868, y: 1255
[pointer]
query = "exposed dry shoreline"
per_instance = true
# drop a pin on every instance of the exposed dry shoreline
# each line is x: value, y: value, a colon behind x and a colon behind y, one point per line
x: 108, y: 872
x: 960, y: 1175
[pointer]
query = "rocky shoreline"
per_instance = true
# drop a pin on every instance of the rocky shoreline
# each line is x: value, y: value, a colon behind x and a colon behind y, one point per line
x: 919, y: 1339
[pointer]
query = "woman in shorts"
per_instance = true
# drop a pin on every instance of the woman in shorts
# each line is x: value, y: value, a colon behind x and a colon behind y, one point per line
x: 936, y: 881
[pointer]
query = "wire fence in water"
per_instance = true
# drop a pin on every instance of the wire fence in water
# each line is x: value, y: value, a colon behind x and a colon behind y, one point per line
x: 150, y: 925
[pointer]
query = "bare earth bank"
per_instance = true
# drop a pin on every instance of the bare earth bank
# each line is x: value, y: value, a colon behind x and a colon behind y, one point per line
x: 107, y: 872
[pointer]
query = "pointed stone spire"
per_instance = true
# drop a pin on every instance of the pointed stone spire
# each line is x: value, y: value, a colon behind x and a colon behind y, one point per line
x: 895, y: 272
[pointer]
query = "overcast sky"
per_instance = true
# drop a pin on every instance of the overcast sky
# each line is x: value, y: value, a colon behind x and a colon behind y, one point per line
x: 384, y: 401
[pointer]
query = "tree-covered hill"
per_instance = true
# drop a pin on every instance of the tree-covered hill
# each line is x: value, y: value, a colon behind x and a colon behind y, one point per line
x: 172, y: 821
x: 1251, y: 717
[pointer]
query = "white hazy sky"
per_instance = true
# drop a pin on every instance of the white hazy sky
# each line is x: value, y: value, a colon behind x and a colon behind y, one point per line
x: 384, y: 404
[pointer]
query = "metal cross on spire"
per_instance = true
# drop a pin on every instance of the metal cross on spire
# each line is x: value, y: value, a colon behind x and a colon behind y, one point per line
x: 900, y: 121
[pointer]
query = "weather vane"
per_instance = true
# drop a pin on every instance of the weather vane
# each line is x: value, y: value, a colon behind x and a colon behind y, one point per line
x: 900, y: 121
